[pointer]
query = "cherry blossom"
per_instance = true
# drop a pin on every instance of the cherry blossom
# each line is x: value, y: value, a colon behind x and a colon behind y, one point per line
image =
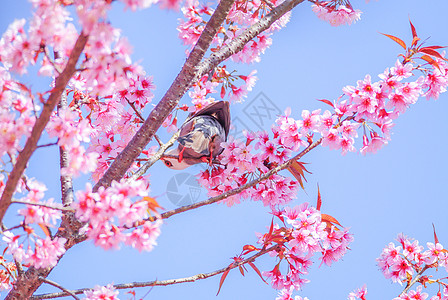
x: 101, y: 293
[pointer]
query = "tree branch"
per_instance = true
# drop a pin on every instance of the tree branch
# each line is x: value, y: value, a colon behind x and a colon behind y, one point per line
x: 68, y: 293
x: 165, y: 282
x: 31, y: 143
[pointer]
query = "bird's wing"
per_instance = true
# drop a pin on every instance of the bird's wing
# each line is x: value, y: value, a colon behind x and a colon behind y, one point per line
x: 219, y: 110
x: 197, y: 142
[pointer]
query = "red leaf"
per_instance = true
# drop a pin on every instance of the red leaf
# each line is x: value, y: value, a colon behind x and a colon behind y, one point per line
x: 414, y: 32
x: 256, y: 270
x: 435, y: 47
x: 395, y: 39
x: 319, y: 198
x: 415, y: 40
x: 223, y: 277
x: 330, y: 219
x: 249, y: 248
x: 431, y: 61
x: 45, y: 229
x: 436, y: 240
x: 241, y: 270
x: 223, y: 92
x: 326, y: 102
x: 432, y: 52
x: 272, y: 227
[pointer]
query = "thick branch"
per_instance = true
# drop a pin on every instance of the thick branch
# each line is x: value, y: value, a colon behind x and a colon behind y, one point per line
x: 169, y: 101
x: 238, y: 190
x: 41, y: 122
x: 166, y: 282
x: 28, y: 282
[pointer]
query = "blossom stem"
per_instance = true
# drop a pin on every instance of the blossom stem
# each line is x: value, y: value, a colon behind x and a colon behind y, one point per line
x: 59, y: 287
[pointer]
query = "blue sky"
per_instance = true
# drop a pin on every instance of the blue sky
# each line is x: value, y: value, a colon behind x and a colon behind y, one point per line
x: 400, y: 189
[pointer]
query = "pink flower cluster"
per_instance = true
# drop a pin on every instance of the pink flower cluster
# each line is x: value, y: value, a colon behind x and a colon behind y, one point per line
x: 243, y: 165
x: 115, y: 122
x: 110, y: 212
x: 40, y: 253
x: 102, y: 293
x: 49, y: 25
x: 335, y: 13
x: 38, y: 214
x: 71, y: 132
x: 399, y: 263
x: 44, y: 254
x: 7, y: 276
x: 302, y: 235
x: 16, y: 113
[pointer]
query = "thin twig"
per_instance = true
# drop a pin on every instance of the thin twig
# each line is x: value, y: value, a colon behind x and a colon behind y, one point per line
x: 155, y: 157
x: 158, y: 139
x: 166, y: 282
x: 47, y: 145
x: 59, y: 287
x: 56, y: 207
x: 139, y: 114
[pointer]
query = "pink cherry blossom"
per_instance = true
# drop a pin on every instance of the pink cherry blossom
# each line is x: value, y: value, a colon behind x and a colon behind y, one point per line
x: 101, y: 293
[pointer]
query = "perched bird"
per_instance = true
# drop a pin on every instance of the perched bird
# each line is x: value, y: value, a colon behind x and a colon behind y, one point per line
x: 200, y: 137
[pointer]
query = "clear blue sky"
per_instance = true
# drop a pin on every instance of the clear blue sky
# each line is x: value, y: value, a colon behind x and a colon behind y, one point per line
x: 400, y: 189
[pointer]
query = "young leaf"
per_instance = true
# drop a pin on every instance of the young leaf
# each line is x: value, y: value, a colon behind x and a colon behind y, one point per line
x: 395, y: 39
x: 256, y: 270
x: 241, y: 270
x: 435, y: 47
x: 414, y: 32
x: 436, y: 240
x: 432, y: 52
x: 415, y: 41
x: 319, y: 198
x: 45, y: 229
x: 249, y: 248
x: 330, y: 219
x: 431, y: 61
x: 326, y: 102
x: 223, y: 277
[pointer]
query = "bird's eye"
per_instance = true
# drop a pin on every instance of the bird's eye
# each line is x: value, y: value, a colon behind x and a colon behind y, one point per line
x: 168, y: 163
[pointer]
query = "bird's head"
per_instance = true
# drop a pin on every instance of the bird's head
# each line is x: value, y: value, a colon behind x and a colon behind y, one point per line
x: 173, y: 162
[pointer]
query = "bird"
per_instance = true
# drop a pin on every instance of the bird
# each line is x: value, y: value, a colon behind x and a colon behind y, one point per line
x: 200, y: 137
